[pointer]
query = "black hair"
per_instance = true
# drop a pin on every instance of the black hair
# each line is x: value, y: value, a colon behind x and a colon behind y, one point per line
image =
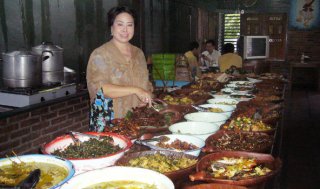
x: 115, y: 11
x: 227, y: 48
x: 193, y: 45
x: 211, y: 41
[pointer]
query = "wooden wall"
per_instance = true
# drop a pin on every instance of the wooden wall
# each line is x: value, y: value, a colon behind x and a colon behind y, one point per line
x: 79, y: 26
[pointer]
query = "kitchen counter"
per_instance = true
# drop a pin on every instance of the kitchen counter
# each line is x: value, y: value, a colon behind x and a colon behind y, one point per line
x: 6, y: 111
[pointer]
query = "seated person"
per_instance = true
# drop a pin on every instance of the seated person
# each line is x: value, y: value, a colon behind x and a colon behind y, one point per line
x: 192, y: 57
x: 209, y: 57
x: 229, y: 58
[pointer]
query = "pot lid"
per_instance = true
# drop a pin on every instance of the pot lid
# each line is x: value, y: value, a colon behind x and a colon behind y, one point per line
x: 47, y: 46
x: 20, y: 53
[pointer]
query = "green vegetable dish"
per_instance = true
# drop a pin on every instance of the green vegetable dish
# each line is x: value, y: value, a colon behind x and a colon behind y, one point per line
x: 92, y: 148
x: 123, y: 184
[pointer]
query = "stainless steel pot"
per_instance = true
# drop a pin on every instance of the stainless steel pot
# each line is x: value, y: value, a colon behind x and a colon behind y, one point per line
x: 52, y: 64
x: 21, y: 69
x: 70, y: 75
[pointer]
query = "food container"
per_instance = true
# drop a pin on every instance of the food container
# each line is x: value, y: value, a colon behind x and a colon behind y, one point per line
x: 238, y: 141
x: 119, y: 173
x: 44, y: 160
x: 208, y: 117
x: 173, y: 175
x: 187, y: 139
x: 265, y: 159
x: 194, y: 128
x: 224, y: 101
x: 87, y: 164
x: 226, y: 109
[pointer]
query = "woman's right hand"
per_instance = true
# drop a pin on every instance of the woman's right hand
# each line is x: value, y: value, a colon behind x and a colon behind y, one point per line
x: 144, y: 95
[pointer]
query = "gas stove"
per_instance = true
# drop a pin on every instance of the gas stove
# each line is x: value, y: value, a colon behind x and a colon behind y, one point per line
x: 20, y: 97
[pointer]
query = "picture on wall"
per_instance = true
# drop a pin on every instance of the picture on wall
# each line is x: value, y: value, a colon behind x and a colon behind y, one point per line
x: 304, y: 14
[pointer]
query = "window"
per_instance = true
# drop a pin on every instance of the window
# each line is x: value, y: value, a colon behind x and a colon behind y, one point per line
x: 229, y: 29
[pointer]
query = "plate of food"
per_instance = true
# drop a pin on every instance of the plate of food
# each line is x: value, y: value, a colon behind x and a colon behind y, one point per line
x: 224, y: 101
x: 174, y: 165
x: 247, y: 124
x: 236, y: 168
x: 238, y: 141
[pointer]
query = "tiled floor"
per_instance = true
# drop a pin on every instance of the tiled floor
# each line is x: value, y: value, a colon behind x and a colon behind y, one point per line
x: 301, y: 140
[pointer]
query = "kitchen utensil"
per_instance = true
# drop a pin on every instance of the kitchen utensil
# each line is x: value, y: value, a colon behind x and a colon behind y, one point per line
x: 52, y: 67
x: 21, y: 69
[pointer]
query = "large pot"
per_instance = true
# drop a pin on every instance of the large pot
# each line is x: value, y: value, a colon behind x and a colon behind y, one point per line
x: 52, y: 65
x: 21, y: 69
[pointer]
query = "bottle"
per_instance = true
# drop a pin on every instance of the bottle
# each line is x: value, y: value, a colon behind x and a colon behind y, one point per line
x: 302, y: 58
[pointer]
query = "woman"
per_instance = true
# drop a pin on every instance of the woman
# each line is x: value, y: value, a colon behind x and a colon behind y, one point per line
x: 229, y: 58
x: 117, y: 75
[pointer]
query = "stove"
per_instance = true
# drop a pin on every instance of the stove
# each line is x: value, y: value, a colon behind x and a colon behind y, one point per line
x: 20, y: 97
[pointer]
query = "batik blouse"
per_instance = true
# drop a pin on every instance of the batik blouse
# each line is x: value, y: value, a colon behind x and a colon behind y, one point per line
x: 107, y: 65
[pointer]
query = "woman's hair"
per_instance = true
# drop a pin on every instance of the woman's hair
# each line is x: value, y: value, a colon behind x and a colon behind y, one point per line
x: 193, y: 45
x: 227, y: 48
x: 115, y: 11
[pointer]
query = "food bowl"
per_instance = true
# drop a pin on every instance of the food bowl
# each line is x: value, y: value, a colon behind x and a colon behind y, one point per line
x: 173, y: 175
x: 198, y: 129
x: 208, y: 117
x: 224, y: 101
x: 87, y: 164
x: 119, y: 173
x: 220, y: 96
x: 238, y: 141
x: 214, y: 186
x: 181, y: 140
x: 264, y: 160
x: 226, y: 109
x: 60, y: 169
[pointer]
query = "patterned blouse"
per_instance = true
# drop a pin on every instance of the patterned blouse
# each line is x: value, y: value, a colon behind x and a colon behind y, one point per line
x: 108, y: 66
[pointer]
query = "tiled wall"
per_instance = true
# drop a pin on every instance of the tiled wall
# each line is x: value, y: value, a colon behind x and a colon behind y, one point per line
x: 25, y: 132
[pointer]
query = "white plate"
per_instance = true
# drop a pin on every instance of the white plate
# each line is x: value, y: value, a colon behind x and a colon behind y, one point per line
x: 194, y: 128
x: 183, y: 138
x: 227, y: 90
x: 118, y: 173
x: 241, y: 83
x: 227, y: 109
x: 208, y: 117
x: 220, y: 96
x: 254, y: 80
x: 224, y: 101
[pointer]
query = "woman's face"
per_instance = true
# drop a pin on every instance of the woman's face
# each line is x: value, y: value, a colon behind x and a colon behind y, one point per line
x: 123, y: 28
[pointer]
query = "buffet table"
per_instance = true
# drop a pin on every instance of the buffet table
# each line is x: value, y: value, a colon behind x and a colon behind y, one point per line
x: 255, y: 116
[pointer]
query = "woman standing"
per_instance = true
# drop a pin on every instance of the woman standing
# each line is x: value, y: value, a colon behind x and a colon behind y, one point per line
x: 117, y: 75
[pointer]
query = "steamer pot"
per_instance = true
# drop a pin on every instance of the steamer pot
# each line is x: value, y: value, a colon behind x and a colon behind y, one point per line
x: 21, y: 69
x: 52, y: 67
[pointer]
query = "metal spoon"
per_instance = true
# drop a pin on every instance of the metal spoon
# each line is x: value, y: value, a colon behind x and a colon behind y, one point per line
x: 76, y: 141
x: 201, y: 109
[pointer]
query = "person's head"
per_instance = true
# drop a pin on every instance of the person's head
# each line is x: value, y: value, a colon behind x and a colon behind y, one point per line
x: 194, y: 47
x: 121, y: 20
x: 210, y: 45
x: 227, y: 48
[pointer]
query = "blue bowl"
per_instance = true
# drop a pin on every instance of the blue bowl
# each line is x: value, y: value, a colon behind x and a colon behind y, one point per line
x: 43, y: 159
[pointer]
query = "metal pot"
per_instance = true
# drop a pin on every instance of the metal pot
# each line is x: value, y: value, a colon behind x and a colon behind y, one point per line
x: 70, y: 76
x: 52, y: 65
x: 21, y: 69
